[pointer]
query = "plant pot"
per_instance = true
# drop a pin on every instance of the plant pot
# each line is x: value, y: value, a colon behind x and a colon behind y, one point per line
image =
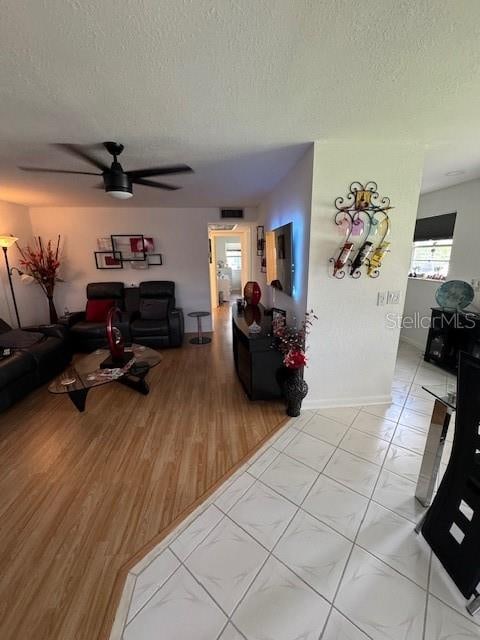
x: 294, y: 389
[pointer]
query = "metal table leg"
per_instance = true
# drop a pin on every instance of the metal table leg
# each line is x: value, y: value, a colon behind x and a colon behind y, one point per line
x: 200, y: 339
x: 474, y: 606
x: 432, y: 455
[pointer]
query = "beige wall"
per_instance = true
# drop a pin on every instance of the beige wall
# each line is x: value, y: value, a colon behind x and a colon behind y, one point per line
x: 352, y: 350
x: 181, y: 235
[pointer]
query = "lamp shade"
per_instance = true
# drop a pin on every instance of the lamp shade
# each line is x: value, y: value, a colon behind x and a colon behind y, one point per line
x: 7, y: 241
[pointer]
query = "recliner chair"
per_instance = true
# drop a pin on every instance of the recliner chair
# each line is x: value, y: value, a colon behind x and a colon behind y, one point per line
x: 88, y: 336
x: 157, y: 323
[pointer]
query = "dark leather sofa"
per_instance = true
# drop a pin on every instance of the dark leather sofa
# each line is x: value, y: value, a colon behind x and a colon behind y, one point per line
x: 157, y: 322
x: 25, y: 369
x: 149, y: 316
x: 88, y: 336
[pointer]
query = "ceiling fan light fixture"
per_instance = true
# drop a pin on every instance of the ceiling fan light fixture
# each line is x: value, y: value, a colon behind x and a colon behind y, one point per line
x: 120, y: 195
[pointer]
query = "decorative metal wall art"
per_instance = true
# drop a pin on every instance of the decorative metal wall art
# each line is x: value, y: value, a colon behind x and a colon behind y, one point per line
x: 120, y: 249
x: 362, y: 216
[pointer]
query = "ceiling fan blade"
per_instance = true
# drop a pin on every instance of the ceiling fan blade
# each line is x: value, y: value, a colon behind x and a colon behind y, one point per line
x: 83, y: 173
x: 157, y: 185
x: 77, y: 151
x: 159, y: 171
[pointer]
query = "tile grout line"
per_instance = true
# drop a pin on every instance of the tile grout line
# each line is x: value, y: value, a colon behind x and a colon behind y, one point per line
x: 428, y: 595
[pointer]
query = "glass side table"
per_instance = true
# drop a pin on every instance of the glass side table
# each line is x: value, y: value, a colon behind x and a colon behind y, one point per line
x: 445, y: 405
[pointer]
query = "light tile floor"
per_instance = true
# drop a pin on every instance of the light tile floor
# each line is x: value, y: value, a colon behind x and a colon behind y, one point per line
x: 313, y: 539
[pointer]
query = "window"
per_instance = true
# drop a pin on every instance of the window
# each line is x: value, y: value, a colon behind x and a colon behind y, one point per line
x: 233, y: 254
x: 431, y: 259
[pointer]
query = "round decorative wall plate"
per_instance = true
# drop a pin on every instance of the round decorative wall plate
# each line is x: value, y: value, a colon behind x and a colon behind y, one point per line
x: 454, y: 294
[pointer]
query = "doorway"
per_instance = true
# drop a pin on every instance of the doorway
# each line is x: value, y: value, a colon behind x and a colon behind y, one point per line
x: 230, y: 267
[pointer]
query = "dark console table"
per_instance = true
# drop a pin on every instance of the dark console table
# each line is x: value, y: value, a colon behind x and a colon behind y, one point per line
x: 451, y: 332
x: 256, y: 359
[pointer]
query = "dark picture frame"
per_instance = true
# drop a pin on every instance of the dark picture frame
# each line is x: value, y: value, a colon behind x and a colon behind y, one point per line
x: 260, y: 240
x: 154, y: 259
x: 121, y: 243
x: 108, y: 260
x: 279, y: 317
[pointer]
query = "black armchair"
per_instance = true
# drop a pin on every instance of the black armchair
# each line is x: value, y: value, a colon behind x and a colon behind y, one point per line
x: 87, y: 335
x: 157, y: 323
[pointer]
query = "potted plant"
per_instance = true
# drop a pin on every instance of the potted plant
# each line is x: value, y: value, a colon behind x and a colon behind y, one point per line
x: 42, y: 262
x: 291, y: 341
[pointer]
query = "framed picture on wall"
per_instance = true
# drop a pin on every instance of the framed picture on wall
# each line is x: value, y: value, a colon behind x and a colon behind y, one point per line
x: 139, y: 264
x: 137, y: 246
x: 104, y: 244
x: 154, y: 259
x: 279, y: 320
x: 131, y: 246
x: 108, y: 260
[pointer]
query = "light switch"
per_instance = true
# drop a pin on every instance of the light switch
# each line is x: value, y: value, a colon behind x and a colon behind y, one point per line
x: 393, y: 297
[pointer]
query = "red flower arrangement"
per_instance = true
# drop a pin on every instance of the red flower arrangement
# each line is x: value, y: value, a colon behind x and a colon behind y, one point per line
x: 42, y: 262
x: 292, y: 341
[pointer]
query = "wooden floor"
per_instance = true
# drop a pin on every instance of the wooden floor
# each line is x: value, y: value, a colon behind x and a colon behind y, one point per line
x: 82, y: 494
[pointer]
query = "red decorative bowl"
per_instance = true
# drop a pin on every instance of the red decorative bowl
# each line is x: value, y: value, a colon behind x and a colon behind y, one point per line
x: 252, y: 293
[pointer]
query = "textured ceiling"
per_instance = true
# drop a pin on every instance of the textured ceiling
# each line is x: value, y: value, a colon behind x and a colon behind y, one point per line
x: 234, y: 88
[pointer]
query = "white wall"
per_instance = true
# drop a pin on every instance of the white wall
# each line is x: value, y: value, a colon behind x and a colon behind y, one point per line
x: 465, y: 261
x: 15, y: 220
x: 351, y: 349
x: 290, y: 201
x: 180, y: 235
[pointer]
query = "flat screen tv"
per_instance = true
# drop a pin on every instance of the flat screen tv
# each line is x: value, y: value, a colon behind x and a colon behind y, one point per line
x: 280, y: 254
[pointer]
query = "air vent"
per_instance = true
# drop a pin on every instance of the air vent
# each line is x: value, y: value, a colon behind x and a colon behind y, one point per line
x: 231, y: 213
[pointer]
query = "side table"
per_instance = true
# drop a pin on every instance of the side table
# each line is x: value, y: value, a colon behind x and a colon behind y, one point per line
x: 200, y: 339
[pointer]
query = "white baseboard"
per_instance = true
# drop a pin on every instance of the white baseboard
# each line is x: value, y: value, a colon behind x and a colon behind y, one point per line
x: 333, y: 403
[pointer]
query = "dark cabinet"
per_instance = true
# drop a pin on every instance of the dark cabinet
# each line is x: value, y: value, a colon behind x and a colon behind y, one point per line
x: 451, y: 332
x: 256, y: 359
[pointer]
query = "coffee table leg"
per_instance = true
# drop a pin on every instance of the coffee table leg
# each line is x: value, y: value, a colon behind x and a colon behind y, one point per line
x: 79, y: 397
x: 139, y: 385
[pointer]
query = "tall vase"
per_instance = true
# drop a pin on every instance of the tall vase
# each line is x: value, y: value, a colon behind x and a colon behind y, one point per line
x: 52, y: 311
x: 294, y: 389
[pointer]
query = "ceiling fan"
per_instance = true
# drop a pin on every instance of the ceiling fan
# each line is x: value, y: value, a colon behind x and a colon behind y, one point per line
x: 117, y: 182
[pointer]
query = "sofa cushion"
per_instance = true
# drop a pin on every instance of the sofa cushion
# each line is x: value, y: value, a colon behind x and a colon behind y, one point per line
x: 89, y: 329
x: 154, y: 309
x: 142, y: 327
x: 97, y: 310
x: 15, y: 366
x: 18, y: 339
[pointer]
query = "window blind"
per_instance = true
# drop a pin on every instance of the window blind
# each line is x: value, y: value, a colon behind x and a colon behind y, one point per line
x: 435, y: 227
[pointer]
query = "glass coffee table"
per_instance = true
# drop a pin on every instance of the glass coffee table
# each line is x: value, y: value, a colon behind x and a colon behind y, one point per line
x: 85, y: 373
x: 445, y: 405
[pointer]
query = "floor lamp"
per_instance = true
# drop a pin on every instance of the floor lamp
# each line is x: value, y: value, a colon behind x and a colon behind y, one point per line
x: 5, y: 243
